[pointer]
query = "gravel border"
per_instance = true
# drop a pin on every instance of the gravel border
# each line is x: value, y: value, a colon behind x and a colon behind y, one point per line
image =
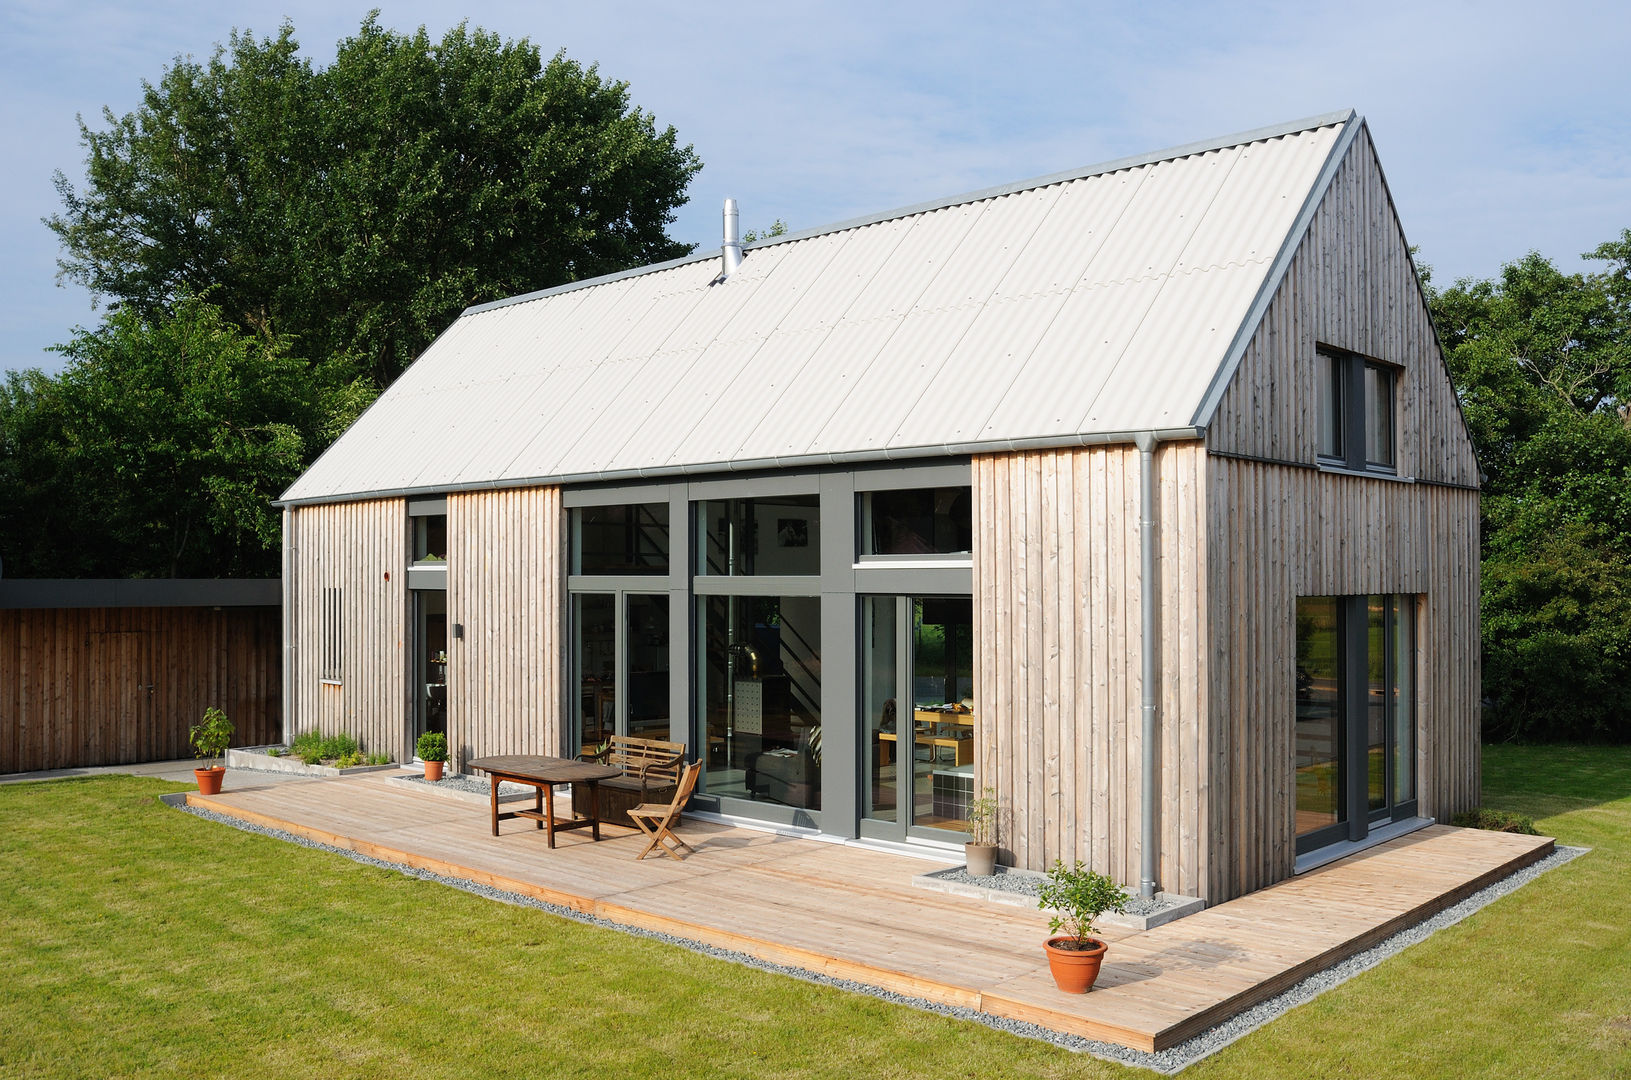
x: 1164, y: 1061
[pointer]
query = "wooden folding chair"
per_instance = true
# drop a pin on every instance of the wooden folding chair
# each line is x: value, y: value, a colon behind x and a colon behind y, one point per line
x: 656, y: 820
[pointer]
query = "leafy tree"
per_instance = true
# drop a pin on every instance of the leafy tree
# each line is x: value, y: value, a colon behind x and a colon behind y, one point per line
x: 158, y: 449
x: 1542, y: 363
x: 359, y: 207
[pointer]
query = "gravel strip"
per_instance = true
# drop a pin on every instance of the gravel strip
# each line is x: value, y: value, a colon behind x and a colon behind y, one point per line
x: 1029, y: 884
x: 1164, y: 1061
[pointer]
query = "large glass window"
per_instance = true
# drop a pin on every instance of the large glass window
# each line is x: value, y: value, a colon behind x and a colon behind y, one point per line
x: 1355, y: 717
x: 933, y: 521
x: 776, y: 535
x: 630, y: 539
x: 759, y: 670
x: 594, y: 660
x: 645, y: 646
x: 1319, y: 714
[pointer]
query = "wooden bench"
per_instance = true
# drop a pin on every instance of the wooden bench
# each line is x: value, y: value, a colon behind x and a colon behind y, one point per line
x: 651, y: 773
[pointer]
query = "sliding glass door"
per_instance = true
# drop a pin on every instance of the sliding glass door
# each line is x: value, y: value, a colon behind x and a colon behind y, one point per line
x: 620, y: 664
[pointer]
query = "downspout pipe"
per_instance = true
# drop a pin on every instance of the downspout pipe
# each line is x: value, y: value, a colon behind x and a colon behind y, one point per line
x: 1149, y: 642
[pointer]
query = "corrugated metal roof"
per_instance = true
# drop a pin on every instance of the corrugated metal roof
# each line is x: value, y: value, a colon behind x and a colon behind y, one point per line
x: 1075, y: 307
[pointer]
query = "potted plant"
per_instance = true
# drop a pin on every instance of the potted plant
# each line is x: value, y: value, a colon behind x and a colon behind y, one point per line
x: 432, y: 750
x: 210, y: 738
x: 1077, y: 896
x: 981, y: 850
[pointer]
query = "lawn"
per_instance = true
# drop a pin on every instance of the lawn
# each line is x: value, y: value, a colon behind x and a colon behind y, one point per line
x: 139, y: 941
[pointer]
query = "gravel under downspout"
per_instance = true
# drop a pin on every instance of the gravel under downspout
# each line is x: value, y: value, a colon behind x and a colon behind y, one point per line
x: 1164, y: 1061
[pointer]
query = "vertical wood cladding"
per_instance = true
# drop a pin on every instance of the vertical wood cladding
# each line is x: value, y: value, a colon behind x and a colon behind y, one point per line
x: 1057, y: 656
x: 113, y: 686
x: 505, y: 584
x: 1351, y: 285
x: 348, y: 596
x: 1279, y: 533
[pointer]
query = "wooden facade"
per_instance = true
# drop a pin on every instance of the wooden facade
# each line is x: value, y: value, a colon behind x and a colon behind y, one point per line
x: 1248, y: 522
x: 93, y: 686
x: 1057, y: 625
x: 345, y: 584
x: 506, y: 585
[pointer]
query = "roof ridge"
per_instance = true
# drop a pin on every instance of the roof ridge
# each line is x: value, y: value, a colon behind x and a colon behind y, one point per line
x: 1204, y: 146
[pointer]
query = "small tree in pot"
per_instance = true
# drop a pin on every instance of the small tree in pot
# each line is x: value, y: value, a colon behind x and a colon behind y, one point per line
x: 432, y: 750
x: 981, y: 850
x: 210, y: 738
x: 1078, y: 896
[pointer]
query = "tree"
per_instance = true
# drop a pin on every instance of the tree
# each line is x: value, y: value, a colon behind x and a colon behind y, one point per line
x: 1542, y: 364
x: 358, y: 208
x: 157, y: 451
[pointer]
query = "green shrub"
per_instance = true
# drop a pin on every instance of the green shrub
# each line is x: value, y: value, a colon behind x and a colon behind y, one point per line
x: 212, y: 735
x: 432, y: 746
x: 314, y: 749
x: 1079, y: 896
x: 1496, y: 821
x: 348, y: 761
x: 274, y: 751
x: 379, y: 759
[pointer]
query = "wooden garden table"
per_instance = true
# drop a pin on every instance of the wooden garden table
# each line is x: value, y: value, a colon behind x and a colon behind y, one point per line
x: 542, y: 774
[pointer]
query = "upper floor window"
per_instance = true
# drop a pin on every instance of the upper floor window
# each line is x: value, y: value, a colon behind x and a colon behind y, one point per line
x: 627, y: 539
x: 1356, y: 411
x: 778, y: 534
x: 430, y: 538
x: 922, y: 521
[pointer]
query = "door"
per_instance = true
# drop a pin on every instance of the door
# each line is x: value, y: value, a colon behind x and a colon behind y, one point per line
x: 429, y: 689
x: 620, y: 667
x: 1355, y: 739
x: 917, y: 708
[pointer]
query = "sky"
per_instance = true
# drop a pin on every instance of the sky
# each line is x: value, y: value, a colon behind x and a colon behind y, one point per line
x: 1502, y: 127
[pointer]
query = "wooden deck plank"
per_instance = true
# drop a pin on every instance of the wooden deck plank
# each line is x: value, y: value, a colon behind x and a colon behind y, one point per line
x: 852, y: 912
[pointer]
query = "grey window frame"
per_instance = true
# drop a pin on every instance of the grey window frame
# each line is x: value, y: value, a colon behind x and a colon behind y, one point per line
x: 1354, y: 430
x: 424, y: 575
x: 1353, y: 639
x: 842, y: 578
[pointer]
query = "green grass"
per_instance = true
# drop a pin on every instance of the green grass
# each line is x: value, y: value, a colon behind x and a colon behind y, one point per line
x: 142, y: 942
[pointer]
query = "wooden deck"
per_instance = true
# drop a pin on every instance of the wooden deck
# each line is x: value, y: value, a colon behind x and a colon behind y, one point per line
x: 853, y: 913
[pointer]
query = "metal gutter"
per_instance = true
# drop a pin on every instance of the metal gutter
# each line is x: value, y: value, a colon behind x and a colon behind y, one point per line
x: 794, y: 461
x: 1225, y: 374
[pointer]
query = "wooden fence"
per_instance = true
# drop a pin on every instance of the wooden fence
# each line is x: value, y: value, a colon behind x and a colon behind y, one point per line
x: 116, y: 685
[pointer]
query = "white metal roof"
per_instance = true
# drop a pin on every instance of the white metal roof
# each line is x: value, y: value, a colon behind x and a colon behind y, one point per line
x: 1073, y: 308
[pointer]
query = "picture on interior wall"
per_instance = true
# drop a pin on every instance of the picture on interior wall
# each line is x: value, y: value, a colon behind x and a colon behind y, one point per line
x: 792, y: 532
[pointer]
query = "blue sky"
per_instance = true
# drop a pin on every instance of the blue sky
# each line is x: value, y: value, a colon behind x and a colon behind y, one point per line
x: 1502, y: 127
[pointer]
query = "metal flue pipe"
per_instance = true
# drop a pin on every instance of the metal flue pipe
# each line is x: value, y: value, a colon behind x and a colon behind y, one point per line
x: 732, y: 251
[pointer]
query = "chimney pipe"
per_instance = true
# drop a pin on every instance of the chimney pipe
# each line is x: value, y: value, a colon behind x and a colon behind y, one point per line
x: 732, y: 250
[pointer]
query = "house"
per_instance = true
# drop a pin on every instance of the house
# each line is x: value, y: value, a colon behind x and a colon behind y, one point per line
x: 1138, y: 494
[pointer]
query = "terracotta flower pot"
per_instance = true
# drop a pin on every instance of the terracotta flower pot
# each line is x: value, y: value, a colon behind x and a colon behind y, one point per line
x: 981, y: 859
x: 433, y: 770
x: 1074, y: 970
x: 209, y: 780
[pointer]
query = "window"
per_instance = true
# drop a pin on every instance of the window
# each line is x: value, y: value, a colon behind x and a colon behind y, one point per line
x: 631, y: 539
x: 1356, y: 411
x: 333, y: 635
x: 430, y: 538
x: 931, y: 521
x: 780, y: 534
